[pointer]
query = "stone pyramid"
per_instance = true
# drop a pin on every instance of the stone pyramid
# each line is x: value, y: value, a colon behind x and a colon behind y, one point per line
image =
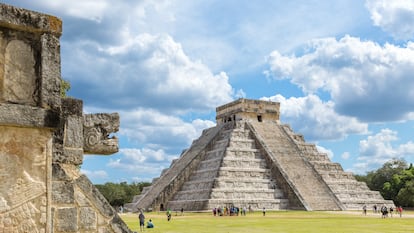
x: 250, y: 159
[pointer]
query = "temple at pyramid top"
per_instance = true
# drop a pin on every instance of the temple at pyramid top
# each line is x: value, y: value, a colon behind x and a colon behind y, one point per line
x: 251, y: 160
x: 240, y: 109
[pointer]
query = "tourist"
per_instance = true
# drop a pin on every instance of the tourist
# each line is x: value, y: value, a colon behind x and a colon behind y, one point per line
x: 150, y: 224
x: 400, y: 210
x: 214, y: 211
x: 391, y: 211
x: 264, y: 211
x: 182, y: 211
x: 169, y: 214
x: 244, y: 210
x: 364, y: 208
x: 141, y: 221
x: 384, y: 211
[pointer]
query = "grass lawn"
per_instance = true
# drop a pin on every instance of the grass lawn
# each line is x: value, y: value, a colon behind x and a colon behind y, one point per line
x: 277, y: 221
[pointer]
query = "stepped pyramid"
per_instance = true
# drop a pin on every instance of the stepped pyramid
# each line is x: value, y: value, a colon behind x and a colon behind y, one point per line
x: 250, y: 159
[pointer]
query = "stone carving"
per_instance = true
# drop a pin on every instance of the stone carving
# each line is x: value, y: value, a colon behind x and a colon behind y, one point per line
x: 250, y: 159
x: 19, y: 67
x: 43, y: 137
x: 23, y: 162
x: 96, y: 131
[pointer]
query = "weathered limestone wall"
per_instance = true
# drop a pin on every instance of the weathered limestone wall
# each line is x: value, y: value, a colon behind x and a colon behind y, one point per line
x: 29, y: 112
x: 77, y: 206
x: 43, y: 138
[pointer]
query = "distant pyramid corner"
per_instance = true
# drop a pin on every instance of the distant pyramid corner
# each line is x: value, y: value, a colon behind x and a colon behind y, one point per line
x: 251, y: 160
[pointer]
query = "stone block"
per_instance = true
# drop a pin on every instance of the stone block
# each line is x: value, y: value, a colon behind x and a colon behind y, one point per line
x: 63, y: 192
x: 71, y: 106
x: 73, y: 132
x: 66, y: 220
x: 87, y: 219
x: 69, y: 156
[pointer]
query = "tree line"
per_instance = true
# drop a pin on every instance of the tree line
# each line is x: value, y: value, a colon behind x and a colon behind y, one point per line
x: 394, y: 180
x: 122, y: 193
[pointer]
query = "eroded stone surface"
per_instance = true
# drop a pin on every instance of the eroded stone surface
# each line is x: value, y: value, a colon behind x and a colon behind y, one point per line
x: 24, y: 163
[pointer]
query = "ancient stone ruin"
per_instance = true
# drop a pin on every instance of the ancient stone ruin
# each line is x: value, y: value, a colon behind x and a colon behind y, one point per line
x: 252, y: 160
x: 43, y: 136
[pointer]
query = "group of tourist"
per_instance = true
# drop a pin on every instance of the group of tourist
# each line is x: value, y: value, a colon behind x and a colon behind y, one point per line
x: 384, y: 210
x: 232, y: 211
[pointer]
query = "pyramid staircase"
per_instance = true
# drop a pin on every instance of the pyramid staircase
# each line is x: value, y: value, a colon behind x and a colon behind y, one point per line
x: 233, y: 173
x: 351, y: 193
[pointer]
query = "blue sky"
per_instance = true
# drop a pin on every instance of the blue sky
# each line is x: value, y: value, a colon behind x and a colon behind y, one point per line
x: 342, y: 71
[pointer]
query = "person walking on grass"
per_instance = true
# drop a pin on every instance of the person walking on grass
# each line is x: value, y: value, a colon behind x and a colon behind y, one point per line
x: 168, y: 215
x: 264, y: 211
x: 141, y: 217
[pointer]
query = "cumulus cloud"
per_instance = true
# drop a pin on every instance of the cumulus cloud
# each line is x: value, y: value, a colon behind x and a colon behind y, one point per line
x: 328, y: 152
x: 356, y: 74
x: 395, y: 17
x: 316, y: 119
x: 148, y: 71
x: 377, y: 149
x: 142, y: 161
x: 98, y: 174
x: 345, y: 155
x: 171, y: 133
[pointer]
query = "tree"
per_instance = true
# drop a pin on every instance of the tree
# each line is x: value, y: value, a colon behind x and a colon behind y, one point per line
x: 405, y: 195
x: 382, y: 179
x: 119, y: 194
x: 394, y: 180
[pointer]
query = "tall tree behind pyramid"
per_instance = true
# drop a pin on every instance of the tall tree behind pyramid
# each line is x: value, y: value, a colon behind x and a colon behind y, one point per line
x: 251, y: 160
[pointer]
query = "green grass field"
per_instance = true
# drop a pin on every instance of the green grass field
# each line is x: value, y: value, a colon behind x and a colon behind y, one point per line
x: 277, y: 221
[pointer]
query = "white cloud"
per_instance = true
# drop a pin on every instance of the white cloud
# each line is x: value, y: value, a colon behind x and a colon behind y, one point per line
x: 345, y: 155
x: 395, y: 17
x: 148, y: 71
x: 161, y: 131
x: 329, y: 152
x: 86, y: 9
x: 98, y: 174
x: 316, y: 119
x: 380, y: 148
x: 144, y: 161
x: 356, y: 74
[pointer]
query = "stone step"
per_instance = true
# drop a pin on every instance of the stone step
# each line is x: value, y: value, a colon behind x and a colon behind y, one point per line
x: 327, y: 166
x: 244, y: 172
x: 240, y: 133
x: 337, y: 175
x: 203, y: 174
x: 210, y: 164
x: 319, y: 157
x: 205, y: 204
x: 245, y: 183
x: 241, y: 143
x: 358, y: 195
x: 243, y: 162
x: 245, y: 153
x: 220, y: 144
x: 255, y: 204
x: 342, y: 186
x: 198, y: 184
x: 215, y: 154
x: 245, y: 193
x: 192, y: 194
